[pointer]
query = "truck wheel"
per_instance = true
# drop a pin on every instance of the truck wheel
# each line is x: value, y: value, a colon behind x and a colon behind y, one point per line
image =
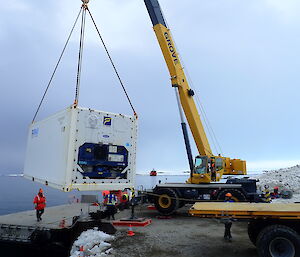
x: 166, y: 203
x: 253, y: 231
x: 277, y: 241
x: 237, y: 195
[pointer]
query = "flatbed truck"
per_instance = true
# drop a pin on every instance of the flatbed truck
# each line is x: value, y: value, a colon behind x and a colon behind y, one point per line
x: 273, y: 228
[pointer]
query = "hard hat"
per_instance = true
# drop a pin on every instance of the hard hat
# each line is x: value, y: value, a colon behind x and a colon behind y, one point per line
x: 41, y: 190
x: 228, y: 195
x: 276, y: 188
x: 105, y: 192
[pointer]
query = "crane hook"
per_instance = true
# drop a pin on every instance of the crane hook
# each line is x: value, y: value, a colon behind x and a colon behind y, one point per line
x: 85, y: 3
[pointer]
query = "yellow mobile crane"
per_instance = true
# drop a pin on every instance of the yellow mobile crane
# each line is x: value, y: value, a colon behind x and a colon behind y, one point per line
x: 223, y: 165
x: 207, y: 166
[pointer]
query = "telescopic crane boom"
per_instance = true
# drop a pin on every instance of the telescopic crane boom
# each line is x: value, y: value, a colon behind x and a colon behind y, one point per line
x: 207, y: 167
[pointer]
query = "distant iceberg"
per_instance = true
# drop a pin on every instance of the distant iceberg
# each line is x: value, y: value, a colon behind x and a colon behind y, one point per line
x: 13, y: 175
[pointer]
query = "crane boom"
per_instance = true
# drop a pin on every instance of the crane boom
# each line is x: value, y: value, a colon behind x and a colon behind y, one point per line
x: 208, y: 167
x: 178, y: 78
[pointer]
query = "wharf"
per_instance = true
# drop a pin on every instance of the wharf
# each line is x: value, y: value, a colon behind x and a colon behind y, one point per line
x: 52, y: 217
x: 54, y: 235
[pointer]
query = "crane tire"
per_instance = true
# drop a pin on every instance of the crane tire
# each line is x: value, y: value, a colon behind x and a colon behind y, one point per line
x: 237, y: 195
x: 167, y: 201
x: 181, y: 204
x: 278, y: 240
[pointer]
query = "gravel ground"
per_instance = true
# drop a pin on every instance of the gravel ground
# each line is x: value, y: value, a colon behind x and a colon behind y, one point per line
x: 181, y: 235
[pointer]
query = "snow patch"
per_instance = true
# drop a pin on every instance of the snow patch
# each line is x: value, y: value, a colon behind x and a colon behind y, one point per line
x: 285, y: 179
x: 94, y: 242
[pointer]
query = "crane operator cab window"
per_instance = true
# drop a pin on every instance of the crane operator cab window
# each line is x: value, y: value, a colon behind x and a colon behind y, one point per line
x: 201, y: 165
x: 219, y: 164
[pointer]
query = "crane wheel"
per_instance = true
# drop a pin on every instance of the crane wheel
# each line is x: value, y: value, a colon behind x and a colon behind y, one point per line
x: 166, y: 202
x: 237, y: 195
x: 277, y: 241
x: 181, y: 204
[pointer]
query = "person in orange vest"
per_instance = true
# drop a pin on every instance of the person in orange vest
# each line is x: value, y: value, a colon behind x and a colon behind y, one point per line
x: 40, y: 204
x: 104, y: 194
x: 213, y: 170
x: 228, y: 221
x: 276, y: 192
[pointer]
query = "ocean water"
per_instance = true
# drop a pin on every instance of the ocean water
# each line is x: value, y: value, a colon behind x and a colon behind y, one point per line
x: 17, y: 193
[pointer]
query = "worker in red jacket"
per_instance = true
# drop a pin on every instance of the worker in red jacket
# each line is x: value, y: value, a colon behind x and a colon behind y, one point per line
x: 40, y: 204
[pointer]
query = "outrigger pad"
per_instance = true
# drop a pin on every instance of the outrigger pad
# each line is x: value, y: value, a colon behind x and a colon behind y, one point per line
x: 139, y: 222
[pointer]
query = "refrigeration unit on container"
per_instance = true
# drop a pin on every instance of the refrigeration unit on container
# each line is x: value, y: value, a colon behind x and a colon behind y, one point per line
x: 84, y: 149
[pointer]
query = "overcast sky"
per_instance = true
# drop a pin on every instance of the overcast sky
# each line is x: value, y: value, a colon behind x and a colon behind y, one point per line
x: 243, y: 58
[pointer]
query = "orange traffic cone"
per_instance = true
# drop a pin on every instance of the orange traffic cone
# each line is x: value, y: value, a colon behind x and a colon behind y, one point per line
x: 81, y: 252
x: 130, y: 231
x: 62, y: 223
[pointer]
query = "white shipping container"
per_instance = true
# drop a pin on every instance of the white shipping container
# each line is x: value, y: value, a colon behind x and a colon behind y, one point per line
x: 84, y: 149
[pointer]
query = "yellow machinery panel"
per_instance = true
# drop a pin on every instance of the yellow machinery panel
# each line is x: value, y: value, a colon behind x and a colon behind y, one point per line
x: 238, y: 166
x: 227, y: 166
x: 246, y: 210
x: 199, y: 179
x: 235, y: 167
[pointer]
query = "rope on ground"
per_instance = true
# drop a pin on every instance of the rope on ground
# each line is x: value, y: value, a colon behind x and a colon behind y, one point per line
x: 56, y: 66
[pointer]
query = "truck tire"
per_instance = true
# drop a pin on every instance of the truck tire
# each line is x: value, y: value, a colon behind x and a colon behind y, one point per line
x: 237, y: 195
x: 167, y: 201
x: 277, y: 241
x: 253, y: 230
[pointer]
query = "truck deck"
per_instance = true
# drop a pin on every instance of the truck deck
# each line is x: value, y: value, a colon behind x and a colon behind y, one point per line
x: 246, y: 210
x: 274, y: 228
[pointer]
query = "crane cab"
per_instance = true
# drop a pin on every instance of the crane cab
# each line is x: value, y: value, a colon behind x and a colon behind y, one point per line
x: 207, y: 169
